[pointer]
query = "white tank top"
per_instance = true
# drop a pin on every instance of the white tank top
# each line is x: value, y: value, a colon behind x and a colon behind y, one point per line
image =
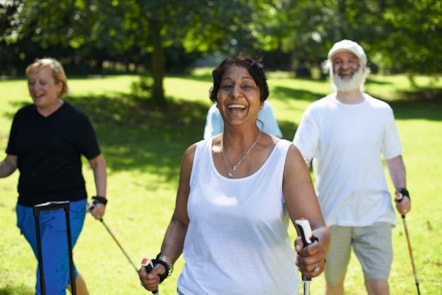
x: 237, y: 240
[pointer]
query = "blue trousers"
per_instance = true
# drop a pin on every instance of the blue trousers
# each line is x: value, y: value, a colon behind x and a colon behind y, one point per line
x: 54, y: 242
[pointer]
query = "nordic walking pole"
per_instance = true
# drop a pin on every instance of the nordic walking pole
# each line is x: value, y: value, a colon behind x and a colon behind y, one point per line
x: 410, y: 251
x: 399, y: 197
x: 305, y: 230
x: 119, y: 245
x: 91, y: 207
x: 49, y: 206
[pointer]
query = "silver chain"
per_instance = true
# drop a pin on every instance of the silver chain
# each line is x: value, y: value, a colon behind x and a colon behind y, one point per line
x: 236, y: 166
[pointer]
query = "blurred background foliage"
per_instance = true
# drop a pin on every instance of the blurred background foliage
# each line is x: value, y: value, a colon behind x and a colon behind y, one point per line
x: 159, y: 37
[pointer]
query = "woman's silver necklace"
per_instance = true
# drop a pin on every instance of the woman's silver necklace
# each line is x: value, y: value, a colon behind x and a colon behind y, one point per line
x: 236, y: 166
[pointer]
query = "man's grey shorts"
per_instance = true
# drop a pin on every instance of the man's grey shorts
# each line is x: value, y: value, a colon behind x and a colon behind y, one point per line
x: 372, y: 246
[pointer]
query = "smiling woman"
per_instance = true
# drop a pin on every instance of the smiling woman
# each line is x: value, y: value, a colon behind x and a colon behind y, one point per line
x: 238, y: 97
x: 47, y: 141
x: 47, y: 85
x: 248, y: 203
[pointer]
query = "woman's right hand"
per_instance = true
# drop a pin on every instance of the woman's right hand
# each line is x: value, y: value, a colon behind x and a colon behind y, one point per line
x: 151, y: 280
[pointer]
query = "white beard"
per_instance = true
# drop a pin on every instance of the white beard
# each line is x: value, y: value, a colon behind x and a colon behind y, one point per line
x: 348, y: 83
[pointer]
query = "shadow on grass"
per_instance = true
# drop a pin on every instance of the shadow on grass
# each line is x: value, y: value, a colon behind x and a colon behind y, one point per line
x: 279, y: 92
x: 16, y: 290
x: 288, y: 129
x: 133, y: 134
x: 378, y: 82
x: 425, y: 103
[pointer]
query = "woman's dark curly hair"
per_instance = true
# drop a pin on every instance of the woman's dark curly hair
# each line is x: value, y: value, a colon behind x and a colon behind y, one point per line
x: 254, y: 67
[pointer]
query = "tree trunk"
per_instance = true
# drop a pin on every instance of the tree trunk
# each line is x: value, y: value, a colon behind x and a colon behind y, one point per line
x: 158, y: 63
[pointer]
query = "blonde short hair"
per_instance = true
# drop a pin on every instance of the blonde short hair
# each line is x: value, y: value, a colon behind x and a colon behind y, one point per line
x: 57, y: 72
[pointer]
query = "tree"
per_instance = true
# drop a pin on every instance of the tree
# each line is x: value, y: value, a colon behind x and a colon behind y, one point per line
x: 411, y: 37
x: 398, y: 36
x: 202, y: 26
x: 114, y: 27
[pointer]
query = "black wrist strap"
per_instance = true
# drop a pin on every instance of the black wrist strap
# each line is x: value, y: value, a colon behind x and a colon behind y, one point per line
x: 99, y: 200
x: 403, y: 192
x: 166, y: 267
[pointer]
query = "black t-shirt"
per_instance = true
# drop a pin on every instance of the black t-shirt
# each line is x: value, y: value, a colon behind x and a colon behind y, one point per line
x: 49, y: 151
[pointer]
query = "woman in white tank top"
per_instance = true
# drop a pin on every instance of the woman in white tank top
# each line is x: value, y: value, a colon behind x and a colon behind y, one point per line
x: 237, y: 193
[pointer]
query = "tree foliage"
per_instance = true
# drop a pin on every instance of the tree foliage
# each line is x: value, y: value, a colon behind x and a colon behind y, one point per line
x: 398, y: 35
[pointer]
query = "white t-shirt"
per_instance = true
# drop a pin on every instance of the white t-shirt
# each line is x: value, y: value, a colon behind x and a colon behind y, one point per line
x: 266, y: 121
x: 347, y: 143
x: 237, y: 240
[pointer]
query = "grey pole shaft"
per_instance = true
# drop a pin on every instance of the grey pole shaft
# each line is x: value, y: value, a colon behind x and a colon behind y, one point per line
x: 119, y: 245
x: 307, y: 287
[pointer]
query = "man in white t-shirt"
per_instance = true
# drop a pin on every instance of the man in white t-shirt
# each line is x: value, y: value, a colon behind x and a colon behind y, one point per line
x: 347, y: 135
x: 266, y: 121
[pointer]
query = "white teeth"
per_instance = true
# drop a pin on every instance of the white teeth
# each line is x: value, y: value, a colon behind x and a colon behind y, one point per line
x: 236, y: 106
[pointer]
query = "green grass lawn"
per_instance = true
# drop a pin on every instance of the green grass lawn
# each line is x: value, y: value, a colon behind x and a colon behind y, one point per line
x: 143, y: 148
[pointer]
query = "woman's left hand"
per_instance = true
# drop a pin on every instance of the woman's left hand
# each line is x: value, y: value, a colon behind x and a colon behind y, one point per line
x: 97, y: 211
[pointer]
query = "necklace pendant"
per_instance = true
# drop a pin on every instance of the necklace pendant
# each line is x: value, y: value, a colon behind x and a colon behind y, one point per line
x: 229, y: 175
x: 235, y: 167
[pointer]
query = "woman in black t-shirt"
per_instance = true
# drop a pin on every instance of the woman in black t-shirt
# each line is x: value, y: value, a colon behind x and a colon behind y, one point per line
x: 46, y: 143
